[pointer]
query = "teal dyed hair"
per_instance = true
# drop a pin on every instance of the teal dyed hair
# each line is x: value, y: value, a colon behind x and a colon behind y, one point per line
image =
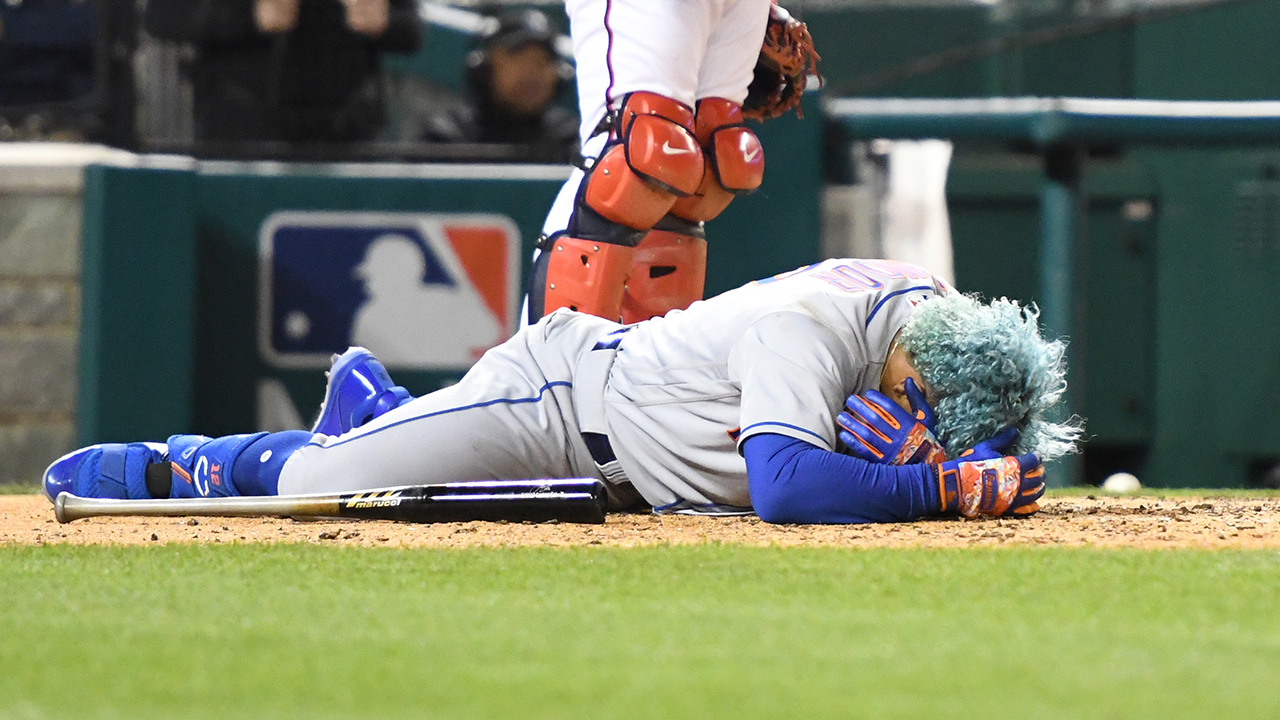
x: 987, y: 368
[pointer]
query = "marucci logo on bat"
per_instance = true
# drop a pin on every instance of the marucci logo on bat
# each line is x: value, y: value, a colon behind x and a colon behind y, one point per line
x: 373, y: 500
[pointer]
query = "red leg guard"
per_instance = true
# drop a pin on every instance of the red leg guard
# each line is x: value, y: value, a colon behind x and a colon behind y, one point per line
x: 709, y: 201
x: 620, y: 195
x: 655, y: 159
x: 587, y: 276
x: 668, y: 273
x: 735, y: 160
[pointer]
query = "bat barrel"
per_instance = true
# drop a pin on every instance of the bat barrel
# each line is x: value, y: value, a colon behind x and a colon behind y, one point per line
x: 67, y: 507
x: 575, y: 500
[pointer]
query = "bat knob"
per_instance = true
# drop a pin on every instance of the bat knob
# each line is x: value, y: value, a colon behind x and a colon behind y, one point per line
x: 60, y: 508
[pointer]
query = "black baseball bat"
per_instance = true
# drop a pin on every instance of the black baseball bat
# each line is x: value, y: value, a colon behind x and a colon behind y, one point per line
x: 579, y: 500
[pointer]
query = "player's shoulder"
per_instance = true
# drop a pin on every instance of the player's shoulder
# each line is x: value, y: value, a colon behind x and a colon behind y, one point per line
x: 854, y: 280
x: 838, y: 290
x: 870, y: 274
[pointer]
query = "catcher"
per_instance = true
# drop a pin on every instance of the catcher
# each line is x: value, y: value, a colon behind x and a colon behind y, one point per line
x: 731, y: 406
x: 663, y: 89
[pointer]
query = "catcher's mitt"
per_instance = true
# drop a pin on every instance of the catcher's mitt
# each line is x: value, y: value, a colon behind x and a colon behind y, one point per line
x: 786, y: 59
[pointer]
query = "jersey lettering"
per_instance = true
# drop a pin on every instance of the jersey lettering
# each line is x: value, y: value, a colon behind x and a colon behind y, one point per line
x: 893, y: 270
x: 848, y: 278
x: 857, y: 275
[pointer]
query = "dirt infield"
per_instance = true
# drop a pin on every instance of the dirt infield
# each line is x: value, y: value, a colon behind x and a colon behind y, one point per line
x: 1143, y: 522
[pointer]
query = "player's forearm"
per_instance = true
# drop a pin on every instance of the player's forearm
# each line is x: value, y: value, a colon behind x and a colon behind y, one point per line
x: 792, y: 481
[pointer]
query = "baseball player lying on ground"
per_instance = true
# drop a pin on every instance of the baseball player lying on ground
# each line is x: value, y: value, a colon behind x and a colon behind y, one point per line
x: 732, y: 406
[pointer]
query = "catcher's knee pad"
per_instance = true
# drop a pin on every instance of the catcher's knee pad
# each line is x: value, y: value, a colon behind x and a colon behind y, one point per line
x: 734, y: 158
x: 654, y: 160
x: 584, y: 275
x: 667, y: 273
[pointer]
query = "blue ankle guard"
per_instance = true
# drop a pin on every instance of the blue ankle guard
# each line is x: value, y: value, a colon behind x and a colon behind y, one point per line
x: 231, y: 465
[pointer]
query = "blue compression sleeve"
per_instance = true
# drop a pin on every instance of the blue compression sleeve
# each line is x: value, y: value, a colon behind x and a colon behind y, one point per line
x: 792, y: 481
x: 257, y: 470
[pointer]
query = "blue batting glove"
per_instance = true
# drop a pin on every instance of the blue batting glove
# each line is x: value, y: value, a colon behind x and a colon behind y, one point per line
x: 878, y: 430
x: 920, y: 406
x: 994, y: 447
x: 994, y: 487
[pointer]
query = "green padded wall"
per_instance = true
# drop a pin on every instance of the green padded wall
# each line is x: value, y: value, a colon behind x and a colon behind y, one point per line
x: 137, y: 304
x: 1218, y: 358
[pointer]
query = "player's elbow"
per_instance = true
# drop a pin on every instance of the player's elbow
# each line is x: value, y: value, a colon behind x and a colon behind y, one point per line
x: 776, y: 505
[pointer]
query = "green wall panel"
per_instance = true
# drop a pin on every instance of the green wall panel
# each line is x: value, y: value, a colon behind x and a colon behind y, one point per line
x: 1219, y: 322
x: 778, y: 227
x: 1225, y: 51
x: 1098, y: 65
x: 137, y: 304
x: 995, y: 223
x: 860, y: 42
x: 1216, y: 51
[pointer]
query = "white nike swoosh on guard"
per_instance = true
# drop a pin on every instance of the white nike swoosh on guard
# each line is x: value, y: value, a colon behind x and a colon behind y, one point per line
x: 752, y: 155
x: 667, y: 149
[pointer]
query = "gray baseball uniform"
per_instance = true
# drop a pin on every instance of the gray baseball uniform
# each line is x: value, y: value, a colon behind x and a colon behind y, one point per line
x: 674, y: 395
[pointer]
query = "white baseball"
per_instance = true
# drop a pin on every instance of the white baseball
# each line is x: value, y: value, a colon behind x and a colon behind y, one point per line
x: 1121, y: 482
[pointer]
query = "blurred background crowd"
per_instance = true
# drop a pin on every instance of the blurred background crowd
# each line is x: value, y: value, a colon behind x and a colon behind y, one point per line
x: 296, y: 79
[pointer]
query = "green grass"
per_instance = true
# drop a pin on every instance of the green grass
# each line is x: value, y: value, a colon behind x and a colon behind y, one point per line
x: 19, y: 488
x: 700, y: 632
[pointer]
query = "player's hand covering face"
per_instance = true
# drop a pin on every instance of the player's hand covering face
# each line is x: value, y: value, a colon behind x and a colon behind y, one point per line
x: 981, y: 482
x: 878, y: 430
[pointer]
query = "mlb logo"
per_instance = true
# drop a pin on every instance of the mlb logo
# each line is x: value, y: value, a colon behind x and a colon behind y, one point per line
x: 423, y: 291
